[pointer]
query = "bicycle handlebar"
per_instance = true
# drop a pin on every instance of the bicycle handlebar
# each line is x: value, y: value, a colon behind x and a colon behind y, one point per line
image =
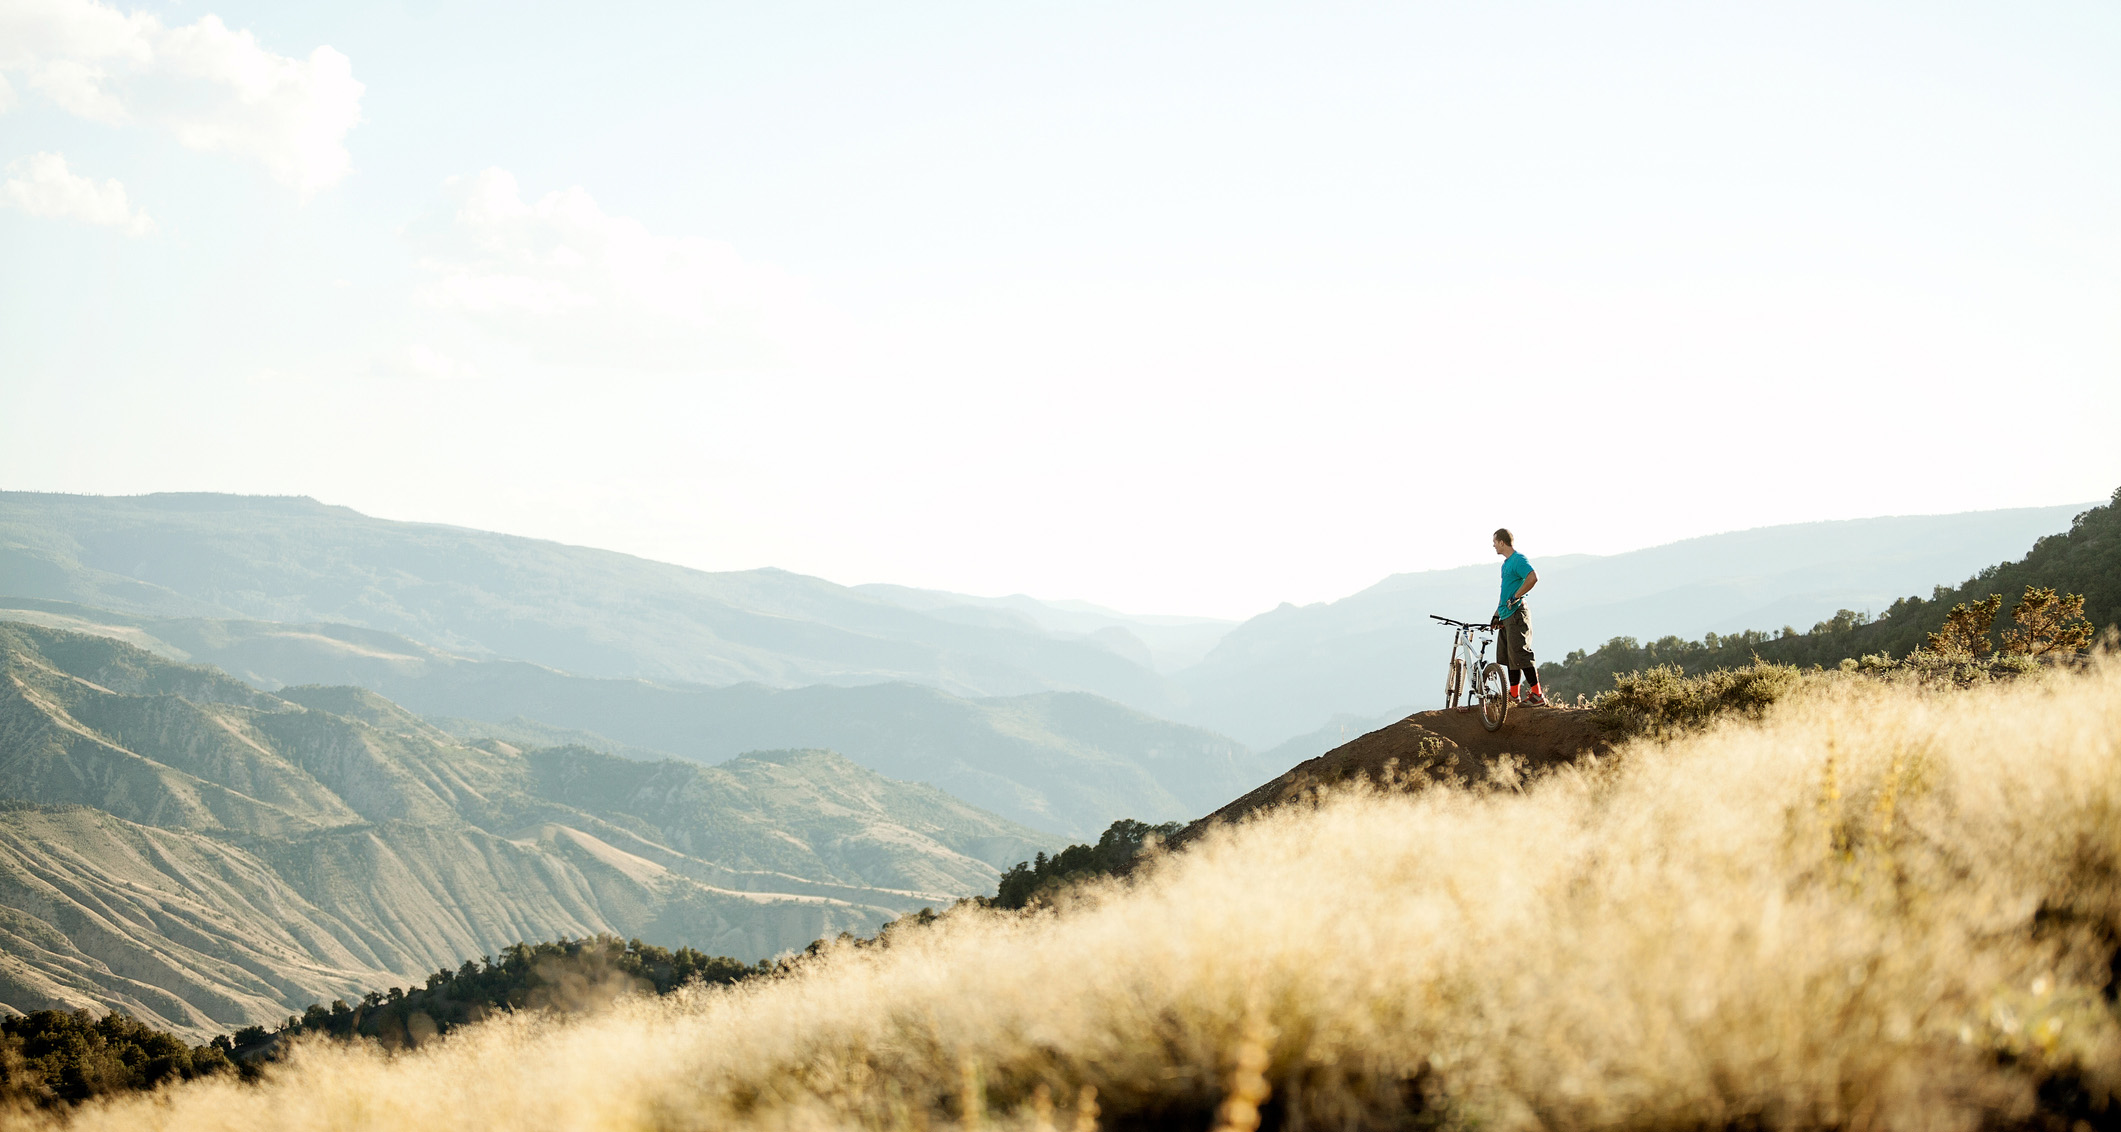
x: 1461, y: 624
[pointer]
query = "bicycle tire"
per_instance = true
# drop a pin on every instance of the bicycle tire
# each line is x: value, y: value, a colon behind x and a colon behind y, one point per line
x: 1454, y: 682
x: 1494, y: 695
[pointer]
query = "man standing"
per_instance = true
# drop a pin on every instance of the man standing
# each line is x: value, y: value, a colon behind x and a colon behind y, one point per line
x: 1513, y: 646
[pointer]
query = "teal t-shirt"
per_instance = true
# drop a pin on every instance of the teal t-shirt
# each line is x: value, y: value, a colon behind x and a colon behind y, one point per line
x: 1514, y: 571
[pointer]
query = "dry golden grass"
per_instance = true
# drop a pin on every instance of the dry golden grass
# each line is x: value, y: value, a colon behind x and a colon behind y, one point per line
x: 1882, y: 907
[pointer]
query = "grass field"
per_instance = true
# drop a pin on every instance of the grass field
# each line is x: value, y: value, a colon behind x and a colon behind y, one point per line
x: 1883, y: 907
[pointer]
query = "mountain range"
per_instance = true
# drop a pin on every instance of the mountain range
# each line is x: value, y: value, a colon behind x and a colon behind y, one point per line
x: 596, y: 613
x: 205, y: 855
x: 1067, y: 762
x: 476, y: 594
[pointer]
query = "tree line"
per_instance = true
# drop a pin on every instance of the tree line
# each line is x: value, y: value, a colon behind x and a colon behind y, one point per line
x: 57, y: 1057
x: 566, y: 974
x: 1037, y: 880
x: 53, y: 1057
x: 2069, y: 586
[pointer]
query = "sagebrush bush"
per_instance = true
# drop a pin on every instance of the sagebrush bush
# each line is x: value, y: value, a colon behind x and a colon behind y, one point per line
x: 1664, y: 700
x: 1887, y: 905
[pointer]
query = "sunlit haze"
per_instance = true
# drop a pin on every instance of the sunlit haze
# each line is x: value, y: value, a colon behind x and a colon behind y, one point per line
x: 1178, y: 308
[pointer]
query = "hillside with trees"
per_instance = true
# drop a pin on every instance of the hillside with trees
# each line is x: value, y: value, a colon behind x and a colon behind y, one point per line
x: 52, y: 1058
x: 56, y: 1057
x: 2084, y: 560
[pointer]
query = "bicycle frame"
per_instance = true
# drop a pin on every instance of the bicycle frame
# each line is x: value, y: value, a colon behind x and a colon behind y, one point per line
x: 1466, y: 660
x: 1467, y: 677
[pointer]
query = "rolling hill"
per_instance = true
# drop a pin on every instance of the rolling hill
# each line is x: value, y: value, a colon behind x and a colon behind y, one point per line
x: 206, y: 855
x: 1067, y: 762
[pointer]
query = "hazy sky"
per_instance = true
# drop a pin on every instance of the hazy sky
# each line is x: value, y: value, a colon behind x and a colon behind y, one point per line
x: 1174, y: 307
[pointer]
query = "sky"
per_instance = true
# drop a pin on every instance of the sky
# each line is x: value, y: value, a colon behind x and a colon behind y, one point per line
x: 1177, y: 308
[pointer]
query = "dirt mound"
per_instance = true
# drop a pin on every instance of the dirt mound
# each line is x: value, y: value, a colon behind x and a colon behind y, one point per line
x: 1442, y: 741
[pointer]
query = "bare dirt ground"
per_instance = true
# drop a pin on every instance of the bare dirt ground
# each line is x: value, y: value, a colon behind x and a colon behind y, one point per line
x: 1435, y: 743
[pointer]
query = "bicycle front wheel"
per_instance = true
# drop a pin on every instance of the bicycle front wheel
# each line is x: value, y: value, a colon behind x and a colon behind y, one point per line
x: 1494, y: 696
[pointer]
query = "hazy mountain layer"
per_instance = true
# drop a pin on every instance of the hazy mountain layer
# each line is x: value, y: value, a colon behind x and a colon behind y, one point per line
x: 1287, y: 671
x: 594, y: 612
x: 207, y: 855
x: 1164, y: 643
x: 1067, y: 762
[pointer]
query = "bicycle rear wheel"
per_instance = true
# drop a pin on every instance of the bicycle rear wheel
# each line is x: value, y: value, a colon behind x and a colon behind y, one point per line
x: 1494, y: 696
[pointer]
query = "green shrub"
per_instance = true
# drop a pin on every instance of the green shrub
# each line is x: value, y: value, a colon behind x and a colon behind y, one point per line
x: 1664, y: 700
x: 1037, y: 880
x: 51, y: 1057
x: 1966, y: 628
x: 564, y: 975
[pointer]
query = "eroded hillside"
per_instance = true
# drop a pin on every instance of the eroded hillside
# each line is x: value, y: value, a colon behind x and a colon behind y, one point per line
x: 1063, y: 761
x: 206, y: 856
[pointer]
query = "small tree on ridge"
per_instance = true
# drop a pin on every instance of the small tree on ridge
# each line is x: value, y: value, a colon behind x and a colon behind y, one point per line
x: 1965, y: 631
x: 2048, y: 624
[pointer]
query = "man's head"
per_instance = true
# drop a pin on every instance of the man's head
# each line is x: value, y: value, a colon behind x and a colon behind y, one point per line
x: 1504, y: 544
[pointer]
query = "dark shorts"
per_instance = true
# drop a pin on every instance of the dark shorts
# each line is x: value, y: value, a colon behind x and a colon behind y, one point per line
x: 1513, y: 646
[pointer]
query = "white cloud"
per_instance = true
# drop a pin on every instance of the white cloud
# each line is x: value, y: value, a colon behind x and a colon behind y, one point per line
x: 43, y: 186
x: 563, y: 279
x: 214, y: 87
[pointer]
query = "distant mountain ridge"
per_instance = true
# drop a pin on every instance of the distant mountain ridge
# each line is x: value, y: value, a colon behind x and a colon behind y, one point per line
x: 1061, y: 761
x: 586, y: 611
x: 206, y: 855
x: 1164, y: 643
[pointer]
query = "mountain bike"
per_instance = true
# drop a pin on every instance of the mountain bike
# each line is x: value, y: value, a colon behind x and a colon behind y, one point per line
x: 1472, y: 676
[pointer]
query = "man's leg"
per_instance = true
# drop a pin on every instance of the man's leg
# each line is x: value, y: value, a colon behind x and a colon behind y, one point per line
x: 1524, y: 668
x: 1504, y: 656
x: 1508, y: 644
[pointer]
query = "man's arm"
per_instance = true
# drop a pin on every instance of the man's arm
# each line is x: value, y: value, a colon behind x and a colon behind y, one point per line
x: 1530, y: 580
